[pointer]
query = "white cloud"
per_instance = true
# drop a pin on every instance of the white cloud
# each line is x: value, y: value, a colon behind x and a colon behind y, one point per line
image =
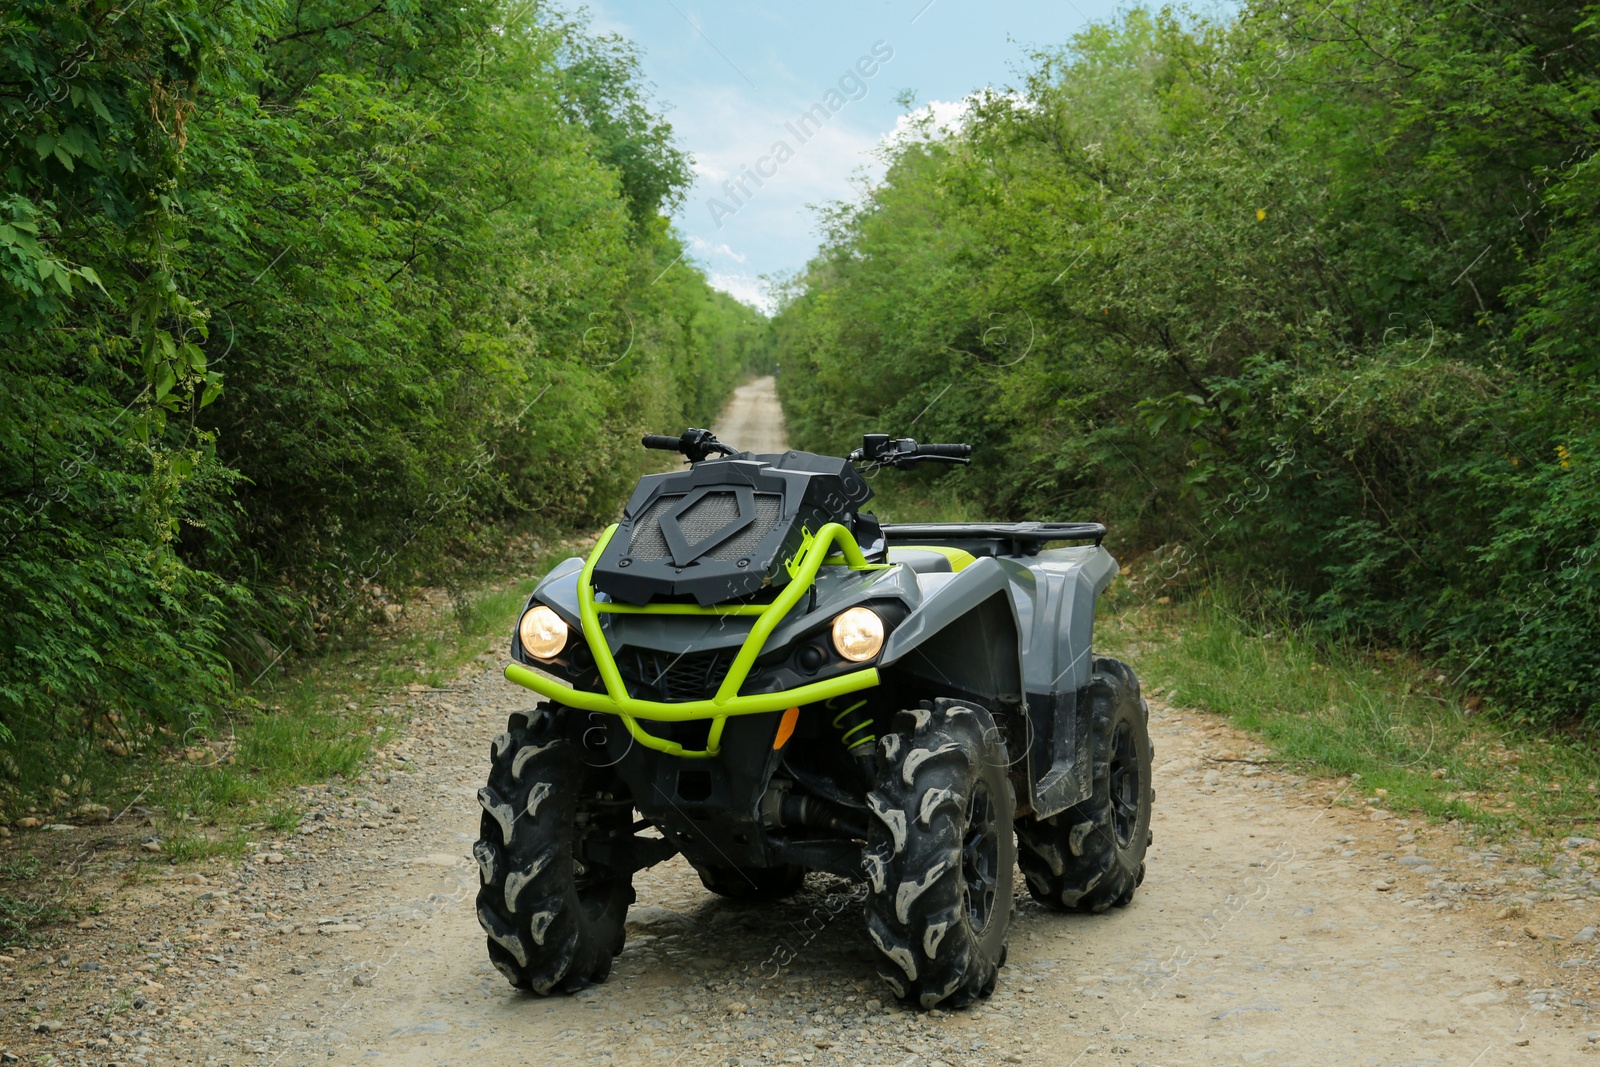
x: 935, y: 119
x: 746, y: 289
x: 706, y: 170
x: 704, y: 247
x: 770, y: 224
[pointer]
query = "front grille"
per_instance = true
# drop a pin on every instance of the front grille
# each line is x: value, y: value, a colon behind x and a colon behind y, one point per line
x: 710, y: 513
x: 674, y: 677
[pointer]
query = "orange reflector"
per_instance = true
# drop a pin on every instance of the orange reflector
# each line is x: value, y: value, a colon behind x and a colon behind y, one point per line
x: 786, y: 728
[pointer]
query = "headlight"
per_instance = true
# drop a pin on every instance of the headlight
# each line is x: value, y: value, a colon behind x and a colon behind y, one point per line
x: 858, y: 634
x: 543, y: 633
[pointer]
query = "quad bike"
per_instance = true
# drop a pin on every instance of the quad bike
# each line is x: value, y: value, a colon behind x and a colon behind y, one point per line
x: 752, y: 671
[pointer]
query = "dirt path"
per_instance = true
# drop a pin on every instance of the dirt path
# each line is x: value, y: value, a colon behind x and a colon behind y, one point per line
x: 753, y: 421
x: 1276, y: 926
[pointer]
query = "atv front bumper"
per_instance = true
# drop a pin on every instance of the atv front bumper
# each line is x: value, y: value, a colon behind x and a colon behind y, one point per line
x: 727, y: 700
x: 631, y: 710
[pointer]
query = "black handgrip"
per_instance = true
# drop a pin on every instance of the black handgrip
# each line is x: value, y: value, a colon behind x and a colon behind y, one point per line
x: 661, y: 441
x: 944, y: 450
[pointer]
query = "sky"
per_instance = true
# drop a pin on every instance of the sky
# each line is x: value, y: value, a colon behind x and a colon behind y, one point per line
x: 735, y: 80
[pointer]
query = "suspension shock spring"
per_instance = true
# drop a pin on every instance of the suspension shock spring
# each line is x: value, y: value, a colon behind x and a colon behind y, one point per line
x: 854, y: 730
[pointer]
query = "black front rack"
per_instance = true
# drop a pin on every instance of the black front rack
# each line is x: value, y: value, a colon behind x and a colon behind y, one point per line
x: 994, y: 538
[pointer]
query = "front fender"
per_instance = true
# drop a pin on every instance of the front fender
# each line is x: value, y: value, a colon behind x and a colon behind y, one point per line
x: 962, y: 637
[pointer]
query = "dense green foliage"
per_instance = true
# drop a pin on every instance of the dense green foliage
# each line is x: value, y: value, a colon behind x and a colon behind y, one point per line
x: 1307, y: 297
x: 296, y: 300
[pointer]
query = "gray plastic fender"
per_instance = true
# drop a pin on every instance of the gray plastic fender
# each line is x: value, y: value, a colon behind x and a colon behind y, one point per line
x: 1058, y: 649
x: 1018, y: 636
x: 963, y: 635
x: 1058, y: 661
x: 559, y: 589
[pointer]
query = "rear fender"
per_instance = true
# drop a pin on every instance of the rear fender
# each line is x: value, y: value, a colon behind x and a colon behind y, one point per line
x: 1058, y: 660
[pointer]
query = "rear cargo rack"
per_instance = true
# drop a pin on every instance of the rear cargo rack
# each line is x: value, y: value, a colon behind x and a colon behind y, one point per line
x: 994, y: 538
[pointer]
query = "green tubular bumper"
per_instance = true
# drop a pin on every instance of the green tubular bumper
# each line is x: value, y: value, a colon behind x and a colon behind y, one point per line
x: 727, y: 701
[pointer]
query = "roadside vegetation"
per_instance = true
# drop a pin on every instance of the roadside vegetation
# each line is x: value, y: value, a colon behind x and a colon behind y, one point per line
x: 1404, y: 735
x: 306, y: 309
x: 323, y: 720
x: 303, y: 307
x: 1304, y: 297
x: 1393, y: 725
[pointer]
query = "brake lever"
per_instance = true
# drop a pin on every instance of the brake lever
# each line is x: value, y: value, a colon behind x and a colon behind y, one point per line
x: 907, y: 462
x: 698, y: 445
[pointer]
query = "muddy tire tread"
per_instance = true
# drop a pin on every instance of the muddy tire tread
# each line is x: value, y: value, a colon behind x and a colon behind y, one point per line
x: 540, y: 936
x: 917, y: 923
x: 1071, y: 861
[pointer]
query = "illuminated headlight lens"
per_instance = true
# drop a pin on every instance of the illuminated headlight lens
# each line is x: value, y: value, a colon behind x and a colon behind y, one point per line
x: 858, y: 634
x: 543, y: 633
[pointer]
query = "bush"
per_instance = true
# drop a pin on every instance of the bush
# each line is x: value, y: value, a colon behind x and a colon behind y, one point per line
x: 1303, y: 295
x: 297, y: 305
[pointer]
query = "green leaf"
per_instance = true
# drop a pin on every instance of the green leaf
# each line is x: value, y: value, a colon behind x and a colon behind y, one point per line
x: 88, y: 275
x: 165, y: 379
x: 98, y: 104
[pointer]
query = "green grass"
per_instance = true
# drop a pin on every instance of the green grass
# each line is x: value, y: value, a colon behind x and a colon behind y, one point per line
x: 1331, y: 709
x: 323, y: 720
x: 922, y: 496
x: 20, y: 915
x: 193, y: 846
x: 319, y: 720
x: 282, y: 818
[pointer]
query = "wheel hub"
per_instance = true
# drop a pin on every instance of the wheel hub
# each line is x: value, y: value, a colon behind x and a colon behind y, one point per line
x: 980, y: 857
x: 1125, y: 785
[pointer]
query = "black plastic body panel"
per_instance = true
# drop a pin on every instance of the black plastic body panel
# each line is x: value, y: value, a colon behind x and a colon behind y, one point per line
x: 993, y: 538
x: 723, y: 529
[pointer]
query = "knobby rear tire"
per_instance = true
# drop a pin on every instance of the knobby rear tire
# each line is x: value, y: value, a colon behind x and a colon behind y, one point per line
x: 1091, y: 857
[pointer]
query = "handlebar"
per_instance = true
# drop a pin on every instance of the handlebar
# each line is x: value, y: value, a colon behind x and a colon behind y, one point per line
x: 877, y: 449
x: 880, y: 450
x: 944, y: 451
x: 696, y: 444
